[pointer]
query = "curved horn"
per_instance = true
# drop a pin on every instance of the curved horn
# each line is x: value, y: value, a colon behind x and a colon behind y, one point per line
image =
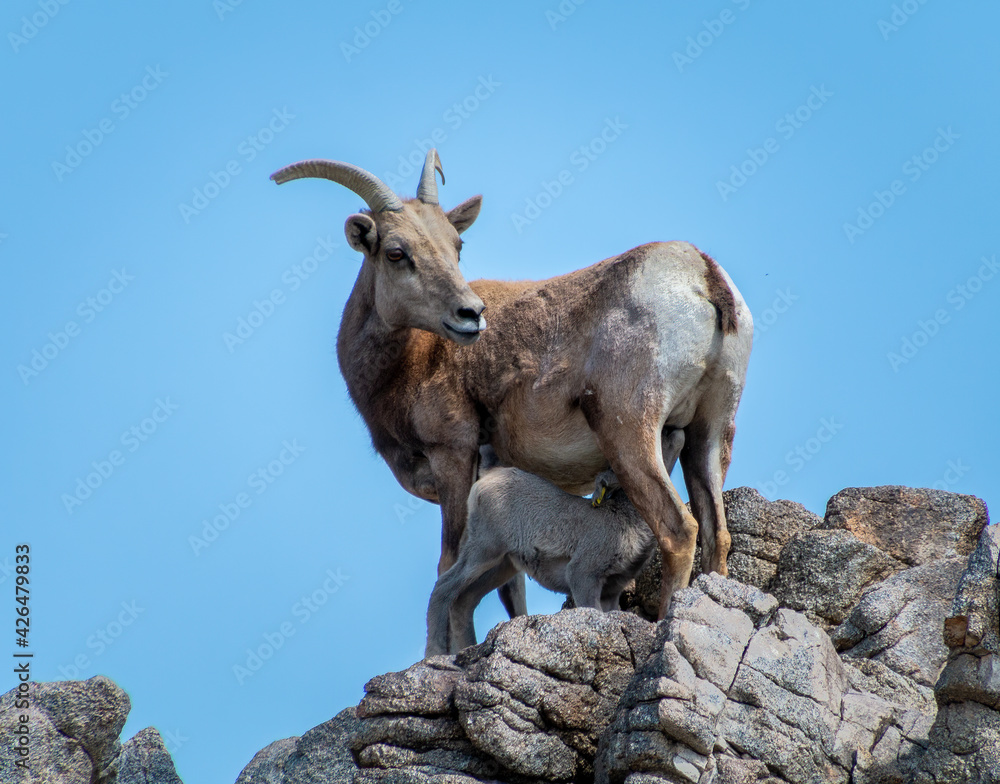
x: 376, y: 193
x: 427, y: 190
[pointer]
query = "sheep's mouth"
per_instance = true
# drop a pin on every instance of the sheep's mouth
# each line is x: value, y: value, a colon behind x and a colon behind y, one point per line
x: 465, y: 336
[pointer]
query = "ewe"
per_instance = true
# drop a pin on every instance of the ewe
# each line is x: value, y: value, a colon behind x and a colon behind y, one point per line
x: 574, y: 374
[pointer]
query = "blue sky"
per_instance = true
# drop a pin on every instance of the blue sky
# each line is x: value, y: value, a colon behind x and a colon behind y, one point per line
x: 839, y: 160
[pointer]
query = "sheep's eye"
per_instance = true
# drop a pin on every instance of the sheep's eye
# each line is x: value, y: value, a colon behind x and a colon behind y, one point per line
x: 395, y: 254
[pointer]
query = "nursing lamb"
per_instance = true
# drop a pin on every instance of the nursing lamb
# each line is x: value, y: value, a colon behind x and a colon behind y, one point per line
x: 587, y: 548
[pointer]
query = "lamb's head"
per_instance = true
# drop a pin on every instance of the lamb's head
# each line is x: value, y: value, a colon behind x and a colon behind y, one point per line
x: 605, y: 486
x: 412, y: 248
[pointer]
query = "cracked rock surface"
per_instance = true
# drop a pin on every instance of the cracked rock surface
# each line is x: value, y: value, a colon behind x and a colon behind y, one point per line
x: 529, y: 703
x: 74, y: 727
x: 913, y: 525
x: 873, y: 659
x: 781, y: 705
x: 822, y: 574
x: 965, y: 738
x: 759, y: 528
x: 899, y: 621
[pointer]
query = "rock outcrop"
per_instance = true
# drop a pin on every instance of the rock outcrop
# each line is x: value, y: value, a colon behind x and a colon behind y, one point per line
x: 768, y: 693
x: 834, y: 676
x: 913, y: 525
x: 759, y: 528
x: 965, y: 739
x: 860, y: 648
x: 74, y: 729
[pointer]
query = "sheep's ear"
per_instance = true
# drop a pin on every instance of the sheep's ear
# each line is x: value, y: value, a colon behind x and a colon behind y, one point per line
x: 600, y: 491
x: 361, y: 233
x: 605, y: 484
x: 465, y: 214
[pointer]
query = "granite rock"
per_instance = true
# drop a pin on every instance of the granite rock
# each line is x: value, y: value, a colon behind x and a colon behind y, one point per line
x: 913, y: 525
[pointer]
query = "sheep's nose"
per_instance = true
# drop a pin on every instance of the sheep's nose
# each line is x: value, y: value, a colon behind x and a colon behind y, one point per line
x: 471, y: 313
x: 465, y: 323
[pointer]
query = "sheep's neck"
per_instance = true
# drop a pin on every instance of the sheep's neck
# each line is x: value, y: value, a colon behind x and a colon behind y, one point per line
x: 371, y: 354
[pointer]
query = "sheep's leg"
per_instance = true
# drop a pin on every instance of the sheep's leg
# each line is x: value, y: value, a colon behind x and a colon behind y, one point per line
x: 463, y: 628
x: 451, y: 588
x: 672, y: 443
x: 584, y: 584
x: 631, y: 440
x: 611, y: 601
x: 454, y: 473
x: 512, y: 596
x: 611, y: 593
x: 705, y: 461
x: 511, y: 593
x: 438, y: 609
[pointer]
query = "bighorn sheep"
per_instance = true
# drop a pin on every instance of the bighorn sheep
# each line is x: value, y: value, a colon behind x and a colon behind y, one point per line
x: 587, y: 548
x: 575, y: 373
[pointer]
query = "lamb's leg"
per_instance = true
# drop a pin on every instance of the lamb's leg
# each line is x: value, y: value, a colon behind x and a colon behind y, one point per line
x: 584, y: 584
x: 454, y: 474
x: 448, y: 590
x: 513, y: 597
x: 611, y: 593
x: 463, y: 628
x: 611, y: 601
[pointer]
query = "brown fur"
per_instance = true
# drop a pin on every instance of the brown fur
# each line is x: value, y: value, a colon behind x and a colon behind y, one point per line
x: 720, y: 295
x: 526, y: 387
x: 727, y: 448
x: 576, y: 373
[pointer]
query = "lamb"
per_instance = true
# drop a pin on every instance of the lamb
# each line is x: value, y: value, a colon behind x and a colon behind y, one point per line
x: 587, y: 548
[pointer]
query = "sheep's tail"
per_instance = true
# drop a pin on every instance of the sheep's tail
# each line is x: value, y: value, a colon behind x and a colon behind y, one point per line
x: 720, y: 295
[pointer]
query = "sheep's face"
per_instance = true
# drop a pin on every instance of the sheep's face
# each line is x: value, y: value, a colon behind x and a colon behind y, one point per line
x: 414, y: 255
